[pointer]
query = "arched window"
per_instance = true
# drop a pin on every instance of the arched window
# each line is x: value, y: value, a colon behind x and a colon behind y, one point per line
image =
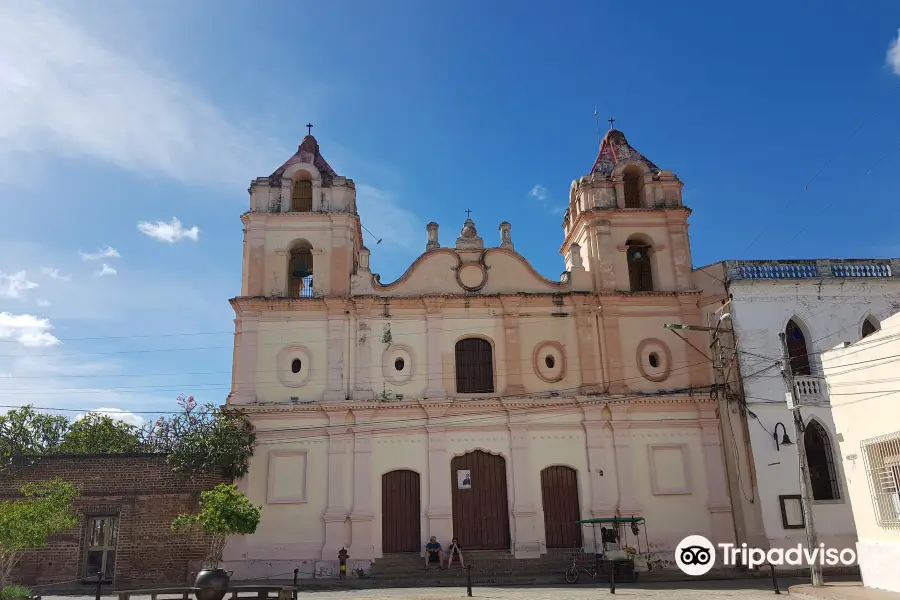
x: 301, y: 198
x: 640, y: 274
x: 634, y: 184
x: 820, y: 460
x: 868, y: 327
x: 474, y: 366
x: 797, y: 351
x: 300, y: 271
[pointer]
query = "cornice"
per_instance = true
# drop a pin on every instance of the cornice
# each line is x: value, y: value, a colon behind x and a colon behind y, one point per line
x: 619, y: 217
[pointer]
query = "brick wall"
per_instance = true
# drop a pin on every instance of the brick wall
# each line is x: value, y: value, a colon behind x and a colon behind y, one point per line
x: 143, y: 493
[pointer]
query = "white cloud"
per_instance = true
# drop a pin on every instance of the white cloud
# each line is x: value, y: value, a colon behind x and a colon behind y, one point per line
x: 14, y: 285
x: 42, y: 302
x: 104, y: 252
x: 539, y: 192
x: 117, y: 414
x: 54, y: 274
x: 170, y: 232
x: 106, y: 270
x: 71, y: 94
x: 28, y: 330
x: 399, y: 229
x: 893, y: 54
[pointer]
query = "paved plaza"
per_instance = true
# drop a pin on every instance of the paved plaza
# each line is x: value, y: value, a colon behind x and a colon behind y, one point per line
x: 736, y: 590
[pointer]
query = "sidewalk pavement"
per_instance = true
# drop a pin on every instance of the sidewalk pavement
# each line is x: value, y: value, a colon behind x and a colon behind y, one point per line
x: 845, y: 590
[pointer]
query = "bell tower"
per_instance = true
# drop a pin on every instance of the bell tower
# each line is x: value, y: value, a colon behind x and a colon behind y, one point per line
x: 627, y: 217
x: 302, y: 235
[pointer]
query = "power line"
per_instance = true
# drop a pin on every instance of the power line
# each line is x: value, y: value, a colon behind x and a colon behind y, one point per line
x: 214, y: 386
x: 828, y: 162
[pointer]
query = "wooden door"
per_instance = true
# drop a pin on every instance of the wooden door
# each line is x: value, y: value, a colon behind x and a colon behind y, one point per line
x: 480, y: 512
x: 559, y: 489
x: 401, y: 520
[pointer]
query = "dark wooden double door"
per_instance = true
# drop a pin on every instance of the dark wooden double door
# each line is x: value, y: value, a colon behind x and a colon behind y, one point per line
x: 480, y: 508
x: 401, y: 512
x: 562, y: 511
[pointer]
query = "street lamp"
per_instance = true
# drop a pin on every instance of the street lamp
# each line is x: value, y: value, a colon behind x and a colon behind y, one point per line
x: 785, y: 440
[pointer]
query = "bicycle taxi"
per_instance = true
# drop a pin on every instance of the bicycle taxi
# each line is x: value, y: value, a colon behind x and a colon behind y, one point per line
x: 616, y: 554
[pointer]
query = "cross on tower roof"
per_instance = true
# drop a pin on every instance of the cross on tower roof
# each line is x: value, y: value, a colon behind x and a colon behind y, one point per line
x: 612, y: 123
x: 468, y: 214
x: 309, y: 127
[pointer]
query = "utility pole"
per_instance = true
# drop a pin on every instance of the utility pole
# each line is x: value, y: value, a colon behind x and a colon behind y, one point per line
x: 805, y: 503
x: 719, y: 389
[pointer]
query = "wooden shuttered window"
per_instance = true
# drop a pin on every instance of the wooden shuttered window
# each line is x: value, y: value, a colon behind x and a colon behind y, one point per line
x: 474, y: 366
x: 301, y: 198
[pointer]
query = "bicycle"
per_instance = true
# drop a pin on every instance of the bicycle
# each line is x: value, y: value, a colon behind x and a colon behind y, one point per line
x: 574, y: 571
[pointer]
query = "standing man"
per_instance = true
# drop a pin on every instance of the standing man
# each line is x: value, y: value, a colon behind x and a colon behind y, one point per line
x: 343, y: 555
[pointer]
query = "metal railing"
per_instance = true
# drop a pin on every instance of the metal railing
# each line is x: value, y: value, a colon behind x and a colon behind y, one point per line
x: 882, y: 458
x: 813, y: 269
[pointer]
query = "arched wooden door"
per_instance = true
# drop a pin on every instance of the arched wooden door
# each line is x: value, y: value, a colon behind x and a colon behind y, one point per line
x: 401, y: 512
x: 480, y: 504
x: 562, y: 511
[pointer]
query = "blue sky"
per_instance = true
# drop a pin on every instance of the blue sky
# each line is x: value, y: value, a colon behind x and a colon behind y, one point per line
x: 116, y: 118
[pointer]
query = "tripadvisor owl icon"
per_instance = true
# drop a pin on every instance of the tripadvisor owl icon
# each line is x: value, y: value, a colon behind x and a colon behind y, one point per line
x: 695, y: 555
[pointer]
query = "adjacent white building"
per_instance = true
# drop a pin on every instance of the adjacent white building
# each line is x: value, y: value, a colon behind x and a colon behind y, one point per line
x: 864, y: 385
x: 817, y: 304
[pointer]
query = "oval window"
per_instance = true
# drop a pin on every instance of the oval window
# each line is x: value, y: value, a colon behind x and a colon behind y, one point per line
x: 653, y: 359
x: 399, y: 364
x: 296, y: 365
x: 550, y: 361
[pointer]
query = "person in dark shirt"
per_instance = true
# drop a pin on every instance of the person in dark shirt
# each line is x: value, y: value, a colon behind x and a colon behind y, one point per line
x: 343, y: 555
x: 454, y: 549
x: 433, y: 553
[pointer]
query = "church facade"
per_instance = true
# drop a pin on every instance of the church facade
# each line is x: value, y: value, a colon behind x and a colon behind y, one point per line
x: 472, y: 397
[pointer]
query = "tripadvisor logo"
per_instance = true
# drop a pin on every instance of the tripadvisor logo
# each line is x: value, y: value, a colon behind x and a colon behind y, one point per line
x: 695, y: 555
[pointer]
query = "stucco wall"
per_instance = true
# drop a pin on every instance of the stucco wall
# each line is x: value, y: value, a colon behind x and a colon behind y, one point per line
x: 828, y: 311
x: 862, y: 383
x: 658, y: 460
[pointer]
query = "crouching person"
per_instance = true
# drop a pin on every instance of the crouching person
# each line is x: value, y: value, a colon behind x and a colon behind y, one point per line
x: 433, y: 553
x: 454, y: 550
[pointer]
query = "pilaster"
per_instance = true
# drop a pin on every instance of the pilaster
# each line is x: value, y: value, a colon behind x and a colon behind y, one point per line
x: 335, y: 515
x: 440, y: 511
x: 605, y: 257
x: 681, y: 254
x: 721, y: 520
x: 256, y: 261
x: 527, y: 544
x: 601, y: 452
x: 286, y: 194
x: 362, y: 518
x: 588, y: 348
x: 513, y: 344
x: 623, y: 439
x: 243, y: 378
x: 433, y: 334
x: 363, y: 346
x: 700, y: 368
x: 334, y: 391
x: 609, y: 320
x: 317, y: 204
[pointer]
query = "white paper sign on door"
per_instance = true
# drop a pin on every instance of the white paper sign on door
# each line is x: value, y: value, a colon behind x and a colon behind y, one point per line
x: 464, y: 479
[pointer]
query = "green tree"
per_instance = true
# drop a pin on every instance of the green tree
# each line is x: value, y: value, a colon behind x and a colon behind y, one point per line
x: 96, y: 433
x: 27, y: 433
x: 203, y: 439
x: 224, y: 511
x: 45, y: 510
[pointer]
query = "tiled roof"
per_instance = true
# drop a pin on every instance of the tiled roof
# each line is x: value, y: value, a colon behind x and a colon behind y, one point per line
x: 614, y: 151
x: 307, y: 153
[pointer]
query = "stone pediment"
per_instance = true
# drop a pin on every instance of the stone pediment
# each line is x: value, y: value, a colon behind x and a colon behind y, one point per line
x: 465, y: 272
